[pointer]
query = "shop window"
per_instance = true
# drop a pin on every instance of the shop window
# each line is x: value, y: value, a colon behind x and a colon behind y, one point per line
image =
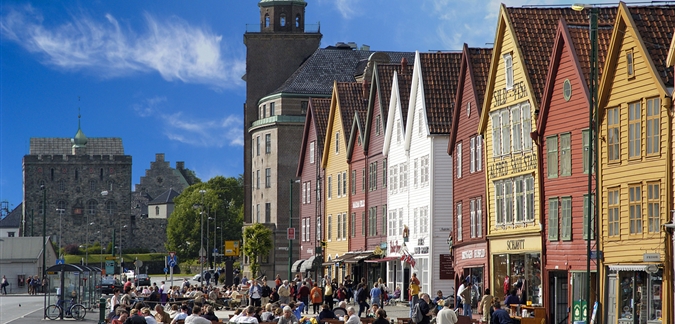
x: 640, y: 296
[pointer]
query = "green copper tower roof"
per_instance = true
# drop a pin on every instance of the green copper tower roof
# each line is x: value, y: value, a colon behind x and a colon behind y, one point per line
x: 80, y: 140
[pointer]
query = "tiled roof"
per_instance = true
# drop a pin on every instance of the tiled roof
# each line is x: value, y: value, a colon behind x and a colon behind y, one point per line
x: 535, y: 30
x: 317, y: 74
x: 350, y: 96
x: 320, y: 111
x: 440, y: 76
x: 582, y: 46
x: 480, y: 66
x: 63, y: 146
x: 404, y: 84
x: 385, y: 76
x: 13, y: 219
x: 656, y: 25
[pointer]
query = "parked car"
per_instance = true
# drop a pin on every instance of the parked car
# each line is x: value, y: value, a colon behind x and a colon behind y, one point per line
x: 107, y: 285
x: 198, y: 277
x: 142, y: 280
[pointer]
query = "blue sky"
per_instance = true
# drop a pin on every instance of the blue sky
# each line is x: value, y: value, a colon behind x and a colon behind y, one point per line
x: 165, y: 76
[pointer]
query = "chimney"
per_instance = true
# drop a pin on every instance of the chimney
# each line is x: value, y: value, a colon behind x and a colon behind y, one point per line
x: 159, y: 157
x: 180, y: 165
x: 404, y: 65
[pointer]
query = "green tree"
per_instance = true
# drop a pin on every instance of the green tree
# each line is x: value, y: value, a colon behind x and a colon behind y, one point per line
x: 257, y: 242
x: 222, y: 200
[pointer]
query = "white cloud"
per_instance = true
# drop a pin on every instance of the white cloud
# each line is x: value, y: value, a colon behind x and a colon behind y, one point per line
x: 346, y: 8
x: 172, y: 47
x: 212, y: 132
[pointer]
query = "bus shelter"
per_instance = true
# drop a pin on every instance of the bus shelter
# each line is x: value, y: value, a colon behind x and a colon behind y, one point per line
x: 72, y: 284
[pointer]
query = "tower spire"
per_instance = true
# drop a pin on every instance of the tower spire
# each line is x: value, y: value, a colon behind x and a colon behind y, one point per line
x: 80, y: 140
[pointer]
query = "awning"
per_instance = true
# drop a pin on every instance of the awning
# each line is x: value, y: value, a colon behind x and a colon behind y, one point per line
x: 628, y: 267
x: 360, y: 257
x: 308, y: 265
x: 385, y: 259
x: 296, y: 266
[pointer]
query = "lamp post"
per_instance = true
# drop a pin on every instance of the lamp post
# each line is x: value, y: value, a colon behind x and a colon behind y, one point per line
x: 86, y: 250
x: 201, y: 238
x: 592, y: 154
x: 60, y: 211
x: 290, y: 225
x: 208, y: 258
x: 44, y: 242
x: 215, y: 235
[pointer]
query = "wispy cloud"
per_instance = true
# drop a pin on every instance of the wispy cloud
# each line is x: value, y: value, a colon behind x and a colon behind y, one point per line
x: 347, y: 8
x: 171, y: 47
x: 177, y: 126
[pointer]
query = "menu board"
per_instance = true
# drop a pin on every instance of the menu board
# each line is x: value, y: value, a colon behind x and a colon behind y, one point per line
x: 447, y: 271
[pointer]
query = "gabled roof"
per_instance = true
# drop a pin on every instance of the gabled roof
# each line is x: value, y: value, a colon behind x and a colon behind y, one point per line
x: 13, y: 219
x: 318, y: 110
x: 399, y: 100
x: 439, y: 77
x: 348, y: 96
x: 23, y: 249
x: 655, y: 25
x: 357, y: 131
x: 327, y: 65
x: 535, y: 30
x: 165, y: 198
x: 477, y: 62
x: 383, y: 76
x: 577, y: 39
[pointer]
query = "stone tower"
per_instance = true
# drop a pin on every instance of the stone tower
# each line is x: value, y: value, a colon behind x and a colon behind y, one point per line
x: 274, y: 50
x: 85, y: 184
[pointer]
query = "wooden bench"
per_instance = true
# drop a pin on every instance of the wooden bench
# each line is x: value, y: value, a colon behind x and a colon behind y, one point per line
x: 403, y: 320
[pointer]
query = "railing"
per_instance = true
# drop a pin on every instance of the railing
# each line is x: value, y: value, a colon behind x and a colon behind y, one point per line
x: 279, y: 119
x: 309, y: 28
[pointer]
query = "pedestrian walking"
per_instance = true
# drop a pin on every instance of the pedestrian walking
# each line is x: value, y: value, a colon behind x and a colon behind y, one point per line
x: 4, y: 285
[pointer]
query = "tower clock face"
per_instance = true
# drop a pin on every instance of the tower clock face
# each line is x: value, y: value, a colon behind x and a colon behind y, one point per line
x: 159, y: 180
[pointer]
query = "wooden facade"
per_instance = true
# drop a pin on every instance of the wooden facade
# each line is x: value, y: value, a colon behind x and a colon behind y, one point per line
x: 358, y: 209
x: 469, y: 235
x: 310, y: 174
x: 635, y: 160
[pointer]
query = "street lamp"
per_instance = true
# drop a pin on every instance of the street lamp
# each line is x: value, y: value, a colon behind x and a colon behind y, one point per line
x: 290, y: 225
x: 44, y: 241
x: 592, y: 154
x: 86, y: 251
x: 201, y: 238
x: 214, y: 243
x: 60, y: 211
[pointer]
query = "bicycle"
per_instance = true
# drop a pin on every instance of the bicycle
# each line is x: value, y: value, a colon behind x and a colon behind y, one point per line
x: 76, y: 311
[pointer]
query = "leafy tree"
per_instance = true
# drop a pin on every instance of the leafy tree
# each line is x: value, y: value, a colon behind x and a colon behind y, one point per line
x: 257, y: 242
x: 223, y: 200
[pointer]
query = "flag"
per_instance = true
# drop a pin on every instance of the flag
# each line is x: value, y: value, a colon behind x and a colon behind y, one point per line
x: 402, y: 256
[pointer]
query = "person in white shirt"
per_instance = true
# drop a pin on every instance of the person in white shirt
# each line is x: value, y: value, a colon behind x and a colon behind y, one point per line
x: 182, y: 315
x: 288, y: 317
x: 196, y: 317
x: 446, y: 315
x: 149, y: 319
x: 353, y: 319
x: 249, y: 318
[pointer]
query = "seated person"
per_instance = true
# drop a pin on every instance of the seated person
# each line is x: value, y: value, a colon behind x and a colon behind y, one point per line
x: 372, y: 312
x: 512, y: 299
x: 235, y: 299
x: 209, y: 314
x: 288, y: 317
x: 500, y: 316
x: 396, y: 294
x: 326, y: 313
x: 381, y: 317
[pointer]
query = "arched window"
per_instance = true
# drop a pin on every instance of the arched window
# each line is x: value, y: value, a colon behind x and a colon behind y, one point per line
x: 92, y: 185
x: 297, y: 21
x: 110, y: 207
x: 61, y: 205
x: 282, y: 20
x: 157, y: 210
x: 62, y: 185
x: 91, y: 207
x: 267, y: 21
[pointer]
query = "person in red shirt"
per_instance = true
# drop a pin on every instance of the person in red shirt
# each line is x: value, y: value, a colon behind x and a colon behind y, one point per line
x: 127, y: 285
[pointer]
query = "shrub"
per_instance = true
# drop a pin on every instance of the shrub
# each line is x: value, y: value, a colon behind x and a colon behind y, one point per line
x: 72, y: 249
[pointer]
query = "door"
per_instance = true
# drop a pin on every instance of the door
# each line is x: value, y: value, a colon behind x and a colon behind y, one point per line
x: 406, y: 283
x: 611, y: 298
x: 558, y: 298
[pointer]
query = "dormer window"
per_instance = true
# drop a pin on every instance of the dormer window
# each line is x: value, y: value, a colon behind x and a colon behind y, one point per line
x: 508, y: 73
x: 282, y: 20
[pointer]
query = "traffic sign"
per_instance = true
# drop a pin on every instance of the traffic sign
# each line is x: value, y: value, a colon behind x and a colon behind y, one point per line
x: 138, y: 263
x: 60, y: 261
x: 202, y: 252
x: 166, y: 270
x: 290, y: 233
x: 231, y: 248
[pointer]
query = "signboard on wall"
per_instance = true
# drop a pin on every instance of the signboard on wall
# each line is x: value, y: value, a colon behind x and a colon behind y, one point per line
x: 447, y: 271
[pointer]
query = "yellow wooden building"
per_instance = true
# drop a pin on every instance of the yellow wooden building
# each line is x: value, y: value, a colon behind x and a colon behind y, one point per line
x: 635, y: 165
x: 346, y: 99
x: 512, y: 188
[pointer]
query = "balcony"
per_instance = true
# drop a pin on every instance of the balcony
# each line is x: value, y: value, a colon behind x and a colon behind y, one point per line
x: 309, y: 28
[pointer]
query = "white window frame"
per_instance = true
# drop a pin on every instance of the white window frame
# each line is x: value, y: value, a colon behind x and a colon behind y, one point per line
x: 337, y: 142
x: 508, y: 71
x: 459, y: 221
x: 458, y: 156
x: 330, y: 188
x: 479, y: 217
x: 472, y: 155
x: 472, y: 207
x: 479, y: 153
x: 311, y: 152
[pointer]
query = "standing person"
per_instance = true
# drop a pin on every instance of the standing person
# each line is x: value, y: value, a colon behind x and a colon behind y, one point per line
x: 425, y: 308
x: 284, y: 293
x: 266, y: 292
x: 385, y: 292
x: 316, y: 298
x: 4, y: 285
x: 466, y: 299
x: 414, y: 291
x: 349, y: 288
x: 328, y: 293
x: 114, y: 302
x: 216, y: 276
x: 446, y: 315
x: 485, y: 304
x: 255, y: 292
x: 162, y: 293
x: 458, y: 296
x: 277, y: 281
x: 303, y: 296
x: 375, y: 294
x: 274, y: 296
x: 361, y: 298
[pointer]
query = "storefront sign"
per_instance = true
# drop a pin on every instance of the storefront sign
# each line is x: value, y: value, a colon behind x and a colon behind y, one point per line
x: 467, y: 255
x: 422, y: 250
x: 479, y: 253
x: 473, y: 254
x: 501, y: 96
x: 651, y: 257
x: 513, y: 245
x: 394, y: 247
x: 447, y: 271
x: 358, y: 204
x: 516, y: 164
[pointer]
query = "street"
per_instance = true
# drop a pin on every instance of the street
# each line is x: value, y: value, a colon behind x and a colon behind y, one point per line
x: 15, y: 307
